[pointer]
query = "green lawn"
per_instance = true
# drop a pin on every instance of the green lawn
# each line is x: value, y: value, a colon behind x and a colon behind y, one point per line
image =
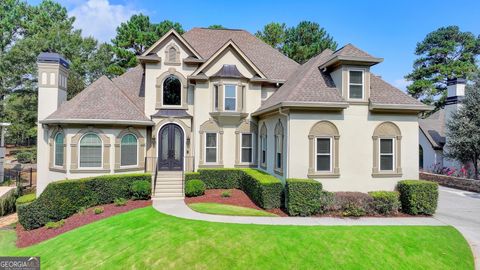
x: 229, y: 210
x: 147, y: 239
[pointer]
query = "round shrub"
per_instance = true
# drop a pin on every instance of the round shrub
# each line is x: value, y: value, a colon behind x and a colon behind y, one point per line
x: 385, y: 202
x: 27, y: 198
x: 141, y: 190
x: 194, y: 188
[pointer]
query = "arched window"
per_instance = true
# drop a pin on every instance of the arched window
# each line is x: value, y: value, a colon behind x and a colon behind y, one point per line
x: 59, y: 153
x: 420, y: 156
x: 263, y: 146
x: 129, y: 150
x: 387, y: 150
x: 172, y: 54
x: 90, y: 151
x: 279, y: 146
x: 172, y: 94
x: 324, y: 150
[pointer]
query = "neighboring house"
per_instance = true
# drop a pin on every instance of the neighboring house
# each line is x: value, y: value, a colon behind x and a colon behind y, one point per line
x: 432, y: 130
x: 224, y: 99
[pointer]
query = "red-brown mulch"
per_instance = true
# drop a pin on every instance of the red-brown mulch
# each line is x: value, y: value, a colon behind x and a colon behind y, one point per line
x: 27, y: 238
x: 238, y: 198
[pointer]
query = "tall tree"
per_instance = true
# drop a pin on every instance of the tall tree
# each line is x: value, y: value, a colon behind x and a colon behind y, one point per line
x: 216, y: 26
x: 463, y: 128
x: 273, y: 34
x: 306, y: 40
x: 445, y: 53
x: 134, y: 37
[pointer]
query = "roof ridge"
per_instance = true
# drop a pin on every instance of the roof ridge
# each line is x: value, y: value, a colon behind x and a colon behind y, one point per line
x: 389, y: 84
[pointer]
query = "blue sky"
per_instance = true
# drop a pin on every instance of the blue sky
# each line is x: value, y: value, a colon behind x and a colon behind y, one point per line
x: 387, y: 29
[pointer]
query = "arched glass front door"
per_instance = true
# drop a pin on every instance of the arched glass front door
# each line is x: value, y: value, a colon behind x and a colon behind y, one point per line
x: 170, y: 148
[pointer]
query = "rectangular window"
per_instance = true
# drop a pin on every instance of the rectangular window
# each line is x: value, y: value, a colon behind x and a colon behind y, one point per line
x: 386, y: 154
x: 324, y: 154
x: 215, y: 97
x: 278, y: 154
x: 211, y: 147
x: 355, y: 84
x: 247, y: 149
x: 230, y: 97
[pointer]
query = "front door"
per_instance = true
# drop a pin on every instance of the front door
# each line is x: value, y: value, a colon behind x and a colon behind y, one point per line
x: 170, y: 148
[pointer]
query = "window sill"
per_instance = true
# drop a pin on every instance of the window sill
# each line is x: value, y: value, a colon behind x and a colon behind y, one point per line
x: 172, y: 63
x: 323, y: 175
x: 210, y: 166
x: 386, y: 174
x: 228, y: 117
x: 357, y: 102
x: 128, y: 169
x: 57, y: 169
x: 246, y: 165
x: 278, y: 172
x: 263, y: 166
x: 100, y: 170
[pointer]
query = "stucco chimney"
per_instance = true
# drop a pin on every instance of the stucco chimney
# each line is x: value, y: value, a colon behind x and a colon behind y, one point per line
x: 455, y: 95
x: 52, y: 92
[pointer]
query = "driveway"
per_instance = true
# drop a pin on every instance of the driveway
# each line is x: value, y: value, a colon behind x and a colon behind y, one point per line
x: 461, y: 209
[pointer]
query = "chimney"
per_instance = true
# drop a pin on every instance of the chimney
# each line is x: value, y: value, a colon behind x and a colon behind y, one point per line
x: 52, y: 92
x: 52, y: 83
x: 455, y: 95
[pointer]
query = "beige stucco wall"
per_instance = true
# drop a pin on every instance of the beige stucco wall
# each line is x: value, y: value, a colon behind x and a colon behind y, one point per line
x: 270, y: 124
x: 356, y: 126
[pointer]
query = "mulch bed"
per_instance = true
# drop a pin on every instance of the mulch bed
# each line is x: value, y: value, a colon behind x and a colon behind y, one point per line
x: 238, y: 198
x: 27, y: 238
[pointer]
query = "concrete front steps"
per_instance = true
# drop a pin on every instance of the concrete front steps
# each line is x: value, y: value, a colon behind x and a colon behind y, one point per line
x: 169, y: 186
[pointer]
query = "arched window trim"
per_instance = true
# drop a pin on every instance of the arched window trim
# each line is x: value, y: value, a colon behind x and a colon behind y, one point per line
x: 159, y: 104
x: 55, y: 164
x: 324, y: 130
x: 180, y: 91
x: 79, y: 151
x: 168, y: 51
x: 390, y: 131
x: 263, y: 146
x: 211, y: 126
x: 138, y: 150
x: 279, y: 143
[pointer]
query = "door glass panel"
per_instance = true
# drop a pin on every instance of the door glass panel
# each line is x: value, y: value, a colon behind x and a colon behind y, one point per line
x: 177, y: 144
x: 164, y: 154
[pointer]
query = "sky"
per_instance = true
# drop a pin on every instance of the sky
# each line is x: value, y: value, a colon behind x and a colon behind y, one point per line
x: 386, y: 29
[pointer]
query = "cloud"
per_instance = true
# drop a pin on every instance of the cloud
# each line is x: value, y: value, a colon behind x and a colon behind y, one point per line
x: 401, y: 84
x: 99, y: 18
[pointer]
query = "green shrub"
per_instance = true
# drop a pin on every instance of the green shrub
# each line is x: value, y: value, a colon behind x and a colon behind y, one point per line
x: 194, y: 188
x: 26, y: 156
x: 351, y: 203
x: 191, y: 175
x: 120, y: 202
x: 303, y: 197
x: 55, y: 225
x: 385, y: 202
x: 226, y: 194
x: 264, y: 190
x: 28, y: 198
x: 221, y: 178
x: 98, y: 210
x: 62, y: 199
x: 141, y: 190
x: 7, y: 202
x: 326, y: 201
x: 418, y: 196
x: 82, y: 210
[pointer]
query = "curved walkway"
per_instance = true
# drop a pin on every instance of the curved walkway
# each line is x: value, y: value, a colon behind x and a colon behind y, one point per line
x: 178, y: 208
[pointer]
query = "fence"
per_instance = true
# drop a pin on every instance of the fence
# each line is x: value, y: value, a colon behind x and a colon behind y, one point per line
x: 24, y: 177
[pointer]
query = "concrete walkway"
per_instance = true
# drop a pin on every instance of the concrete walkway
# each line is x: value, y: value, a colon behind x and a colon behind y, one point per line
x: 178, y: 208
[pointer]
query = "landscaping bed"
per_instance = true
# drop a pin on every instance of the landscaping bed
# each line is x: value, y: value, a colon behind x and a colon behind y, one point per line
x: 27, y: 238
x: 237, y: 198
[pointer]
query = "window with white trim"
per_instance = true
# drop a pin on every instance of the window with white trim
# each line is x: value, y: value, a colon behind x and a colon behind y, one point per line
x: 324, y: 154
x: 278, y: 146
x: 59, y: 152
x: 90, y: 151
x: 129, y: 150
x: 210, y: 147
x: 230, y: 97
x: 387, y: 154
x: 264, y: 148
x: 355, y: 84
x: 247, y: 148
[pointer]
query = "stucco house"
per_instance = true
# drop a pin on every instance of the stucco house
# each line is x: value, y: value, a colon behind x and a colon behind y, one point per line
x: 224, y: 99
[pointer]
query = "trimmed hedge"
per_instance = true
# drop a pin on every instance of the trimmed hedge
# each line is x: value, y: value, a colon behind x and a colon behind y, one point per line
x: 418, y: 196
x: 141, y: 190
x: 191, y: 175
x: 385, y: 202
x: 7, y: 202
x: 27, y: 198
x: 194, y: 188
x: 64, y: 198
x: 303, y: 197
x: 264, y: 190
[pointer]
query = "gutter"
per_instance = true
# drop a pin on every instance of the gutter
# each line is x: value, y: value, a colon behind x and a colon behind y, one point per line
x: 399, y: 107
x: 305, y: 105
x: 98, y: 121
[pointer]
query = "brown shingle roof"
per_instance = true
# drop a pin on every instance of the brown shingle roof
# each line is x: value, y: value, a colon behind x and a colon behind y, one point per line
x: 132, y: 83
x: 351, y: 50
x: 434, y: 128
x: 103, y: 100
x: 307, y: 84
x: 270, y: 61
x: 382, y: 92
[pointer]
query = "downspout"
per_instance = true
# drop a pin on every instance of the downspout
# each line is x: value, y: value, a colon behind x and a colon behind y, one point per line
x: 288, y: 138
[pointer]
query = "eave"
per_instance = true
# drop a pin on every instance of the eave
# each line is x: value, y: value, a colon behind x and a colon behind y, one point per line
x: 405, y: 108
x: 98, y: 121
x: 320, y: 106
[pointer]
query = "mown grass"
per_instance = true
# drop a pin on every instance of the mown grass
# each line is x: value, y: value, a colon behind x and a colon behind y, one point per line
x: 229, y: 210
x: 147, y: 239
